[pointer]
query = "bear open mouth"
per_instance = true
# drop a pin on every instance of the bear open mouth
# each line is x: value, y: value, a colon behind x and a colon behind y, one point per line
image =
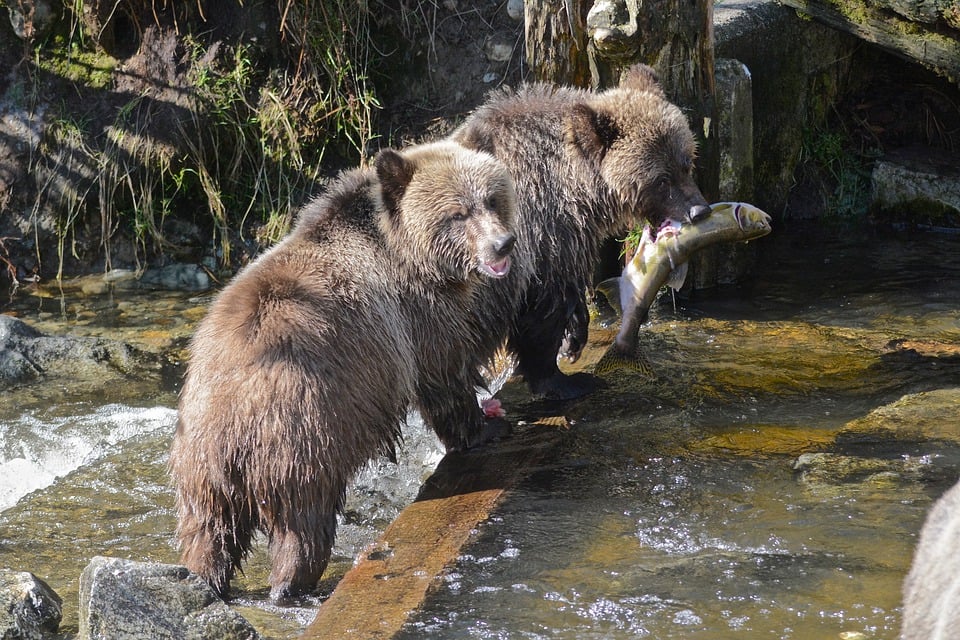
x: 495, y: 268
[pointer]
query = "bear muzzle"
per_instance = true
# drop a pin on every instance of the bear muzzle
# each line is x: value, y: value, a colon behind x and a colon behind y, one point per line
x: 501, y: 247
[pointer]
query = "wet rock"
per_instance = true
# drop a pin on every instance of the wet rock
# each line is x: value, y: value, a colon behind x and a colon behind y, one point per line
x: 178, y: 277
x: 915, y: 438
x: 931, y: 591
x: 918, y: 179
x: 28, y: 606
x: 916, y: 417
x: 128, y: 600
x: 829, y: 469
x: 27, y: 355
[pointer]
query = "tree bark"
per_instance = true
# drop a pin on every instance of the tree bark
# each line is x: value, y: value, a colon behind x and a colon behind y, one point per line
x: 556, y: 41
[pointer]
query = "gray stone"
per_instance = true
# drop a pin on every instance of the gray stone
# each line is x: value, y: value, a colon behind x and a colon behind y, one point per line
x: 178, y: 277
x: 128, y: 600
x: 734, y: 99
x: 499, y: 47
x: 931, y: 591
x: 915, y: 176
x: 27, y: 355
x: 28, y: 606
x: 515, y: 9
x: 797, y: 70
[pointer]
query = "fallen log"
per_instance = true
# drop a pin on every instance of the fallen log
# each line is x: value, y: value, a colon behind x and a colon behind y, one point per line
x: 391, y: 578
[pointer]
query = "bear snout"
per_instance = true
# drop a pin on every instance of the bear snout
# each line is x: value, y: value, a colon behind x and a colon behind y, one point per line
x: 496, y: 263
x: 503, y: 245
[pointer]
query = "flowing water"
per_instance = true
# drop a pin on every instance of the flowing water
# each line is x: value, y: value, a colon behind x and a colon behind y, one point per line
x: 675, y: 508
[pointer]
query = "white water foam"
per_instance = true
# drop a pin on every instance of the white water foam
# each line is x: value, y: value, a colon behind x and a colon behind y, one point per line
x: 35, y: 449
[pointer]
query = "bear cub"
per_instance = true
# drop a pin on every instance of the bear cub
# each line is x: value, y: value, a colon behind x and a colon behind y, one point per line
x: 307, y: 363
x: 588, y: 166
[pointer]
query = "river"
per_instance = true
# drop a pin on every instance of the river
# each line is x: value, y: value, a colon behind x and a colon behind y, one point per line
x: 753, y: 489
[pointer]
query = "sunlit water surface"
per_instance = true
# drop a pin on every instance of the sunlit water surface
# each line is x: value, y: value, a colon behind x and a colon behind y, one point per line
x: 672, y: 509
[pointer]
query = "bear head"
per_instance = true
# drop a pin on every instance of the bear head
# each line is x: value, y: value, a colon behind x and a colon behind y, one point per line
x: 641, y: 146
x: 448, y: 212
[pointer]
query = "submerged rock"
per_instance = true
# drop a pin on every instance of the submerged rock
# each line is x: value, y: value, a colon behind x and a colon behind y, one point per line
x: 916, y: 417
x: 28, y: 606
x: 916, y: 439
x: 128, y: 600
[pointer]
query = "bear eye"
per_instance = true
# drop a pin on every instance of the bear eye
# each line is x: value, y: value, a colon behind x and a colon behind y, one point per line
x: 490, y: 202
x: 457, y: 214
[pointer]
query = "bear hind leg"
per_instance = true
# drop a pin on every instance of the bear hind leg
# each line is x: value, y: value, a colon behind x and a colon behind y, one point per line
x: 299, y: 555
x: 213, y: 550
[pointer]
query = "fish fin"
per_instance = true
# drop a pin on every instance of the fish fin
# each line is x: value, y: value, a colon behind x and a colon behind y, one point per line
x: 678, y: 276
x: 610, y: 288
x: 616, y: 358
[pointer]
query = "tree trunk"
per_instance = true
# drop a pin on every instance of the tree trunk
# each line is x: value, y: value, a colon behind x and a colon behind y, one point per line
x: 556, y: 38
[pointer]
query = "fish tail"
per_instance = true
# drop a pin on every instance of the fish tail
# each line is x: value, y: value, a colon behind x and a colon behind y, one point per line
x: 617, y: 358
x: 610, y: 288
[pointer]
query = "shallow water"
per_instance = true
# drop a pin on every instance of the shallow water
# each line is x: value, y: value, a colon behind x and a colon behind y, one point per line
x: 672, y: 510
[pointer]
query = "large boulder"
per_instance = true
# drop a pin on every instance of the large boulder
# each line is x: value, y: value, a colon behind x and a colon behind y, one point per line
x: 128, y: 600
x: 26, y: 355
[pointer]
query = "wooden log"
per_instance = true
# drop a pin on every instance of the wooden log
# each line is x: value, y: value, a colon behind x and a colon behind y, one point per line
x: 556, y: 41
x: 392, y: 577
x: 938, y: 50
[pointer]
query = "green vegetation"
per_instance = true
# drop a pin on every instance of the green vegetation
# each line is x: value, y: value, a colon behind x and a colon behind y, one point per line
x: 235, y: 151
x: 843, y: 169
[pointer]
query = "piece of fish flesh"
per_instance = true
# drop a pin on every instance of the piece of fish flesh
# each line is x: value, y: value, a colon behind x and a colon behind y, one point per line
x: 662, y: 261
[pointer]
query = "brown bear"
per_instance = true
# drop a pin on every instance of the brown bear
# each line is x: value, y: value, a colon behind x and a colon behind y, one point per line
x: 306, y: 364
x: 587, y: 166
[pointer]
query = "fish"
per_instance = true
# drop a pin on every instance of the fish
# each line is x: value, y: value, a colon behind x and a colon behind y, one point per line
x: 662, y: 260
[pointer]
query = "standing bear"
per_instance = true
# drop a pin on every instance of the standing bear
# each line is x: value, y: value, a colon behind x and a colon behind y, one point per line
x: 587, y: 166
x: 307, y: 363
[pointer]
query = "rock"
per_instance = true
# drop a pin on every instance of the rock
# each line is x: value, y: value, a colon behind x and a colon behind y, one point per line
x: 128, y: 600
x: 26, y: 355
x: 831, y: 469
x: 917, y: 179
x: 28, y: 606
x: 916, y: 417
x: 31, y: 21
x: 499, y: 47
x: 178, y: 277
x: 515, y: 9
x: 915, y: 439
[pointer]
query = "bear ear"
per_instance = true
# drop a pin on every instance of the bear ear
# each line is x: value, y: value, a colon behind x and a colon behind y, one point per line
x: 592, y: 132
x: 473, y: 137
x: 394, y: 172
x: 640, y: 77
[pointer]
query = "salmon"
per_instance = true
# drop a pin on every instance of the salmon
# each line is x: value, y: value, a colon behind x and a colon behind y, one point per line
x: 662, y: 260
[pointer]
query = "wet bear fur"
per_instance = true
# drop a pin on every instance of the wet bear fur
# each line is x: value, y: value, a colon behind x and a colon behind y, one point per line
x: 306, y: 364
x: 587, y: 166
